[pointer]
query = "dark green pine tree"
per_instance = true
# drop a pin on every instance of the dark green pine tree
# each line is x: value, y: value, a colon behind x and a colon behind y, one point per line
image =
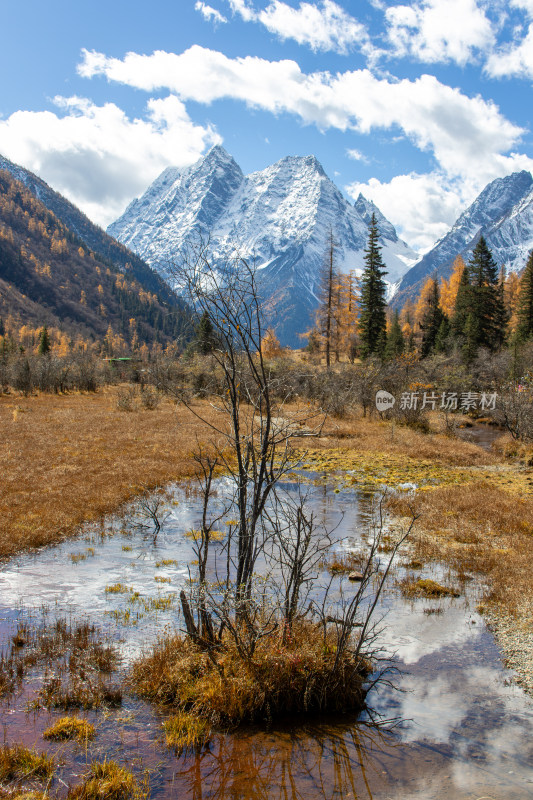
x: 204, y: 339
x: 525, y: 303
x: 372, y: 320
x: 501, y: 315
x: 2, y: 327
x: 484, y: 293
x: 463, y: 306
x: 431, y: 321
x: 44, y: 342
x: 471, y: 338
x: 395, y: 341
x: 443, y: 336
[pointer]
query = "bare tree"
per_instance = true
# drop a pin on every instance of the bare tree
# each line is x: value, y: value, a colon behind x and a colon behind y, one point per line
x: 261, y: 576
x: 252, y: 441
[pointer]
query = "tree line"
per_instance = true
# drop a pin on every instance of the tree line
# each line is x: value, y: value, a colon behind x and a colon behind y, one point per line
x: 477, y: 307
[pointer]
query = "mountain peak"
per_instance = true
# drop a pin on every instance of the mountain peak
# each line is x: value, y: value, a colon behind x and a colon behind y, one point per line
x: 216, y: 156
x: 279, y: 218
x: 502, y: 212
x: 367, y: 208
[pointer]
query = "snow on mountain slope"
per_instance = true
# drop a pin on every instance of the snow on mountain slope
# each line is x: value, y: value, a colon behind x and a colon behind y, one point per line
x: 503, y: 213
x: 280, y: 217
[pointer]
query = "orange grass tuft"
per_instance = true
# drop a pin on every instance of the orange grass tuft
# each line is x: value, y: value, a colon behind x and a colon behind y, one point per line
x: 279, y: 680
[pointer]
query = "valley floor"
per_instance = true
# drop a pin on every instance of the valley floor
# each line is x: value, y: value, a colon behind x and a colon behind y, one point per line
x: 74, y: 458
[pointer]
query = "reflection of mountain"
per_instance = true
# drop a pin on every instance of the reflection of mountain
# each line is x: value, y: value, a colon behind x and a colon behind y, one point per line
x: 280, y: 218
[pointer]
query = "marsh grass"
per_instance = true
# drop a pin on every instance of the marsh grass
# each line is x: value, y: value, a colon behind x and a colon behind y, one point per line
x: 342, y: 563
x: 106, y: 780
x: 78, y: 692
x: 74, y: 658
x: 23, y: 794
x: 70, y: 728
x: 411, y: 586
x: 279, y: 680
x: 20, y: 763
x: 185, y: 732
x: 478, y: 530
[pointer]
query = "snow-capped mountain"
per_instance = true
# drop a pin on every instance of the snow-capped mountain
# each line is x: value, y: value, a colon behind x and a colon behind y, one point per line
x: 281, y: 217
x: 502, y: 213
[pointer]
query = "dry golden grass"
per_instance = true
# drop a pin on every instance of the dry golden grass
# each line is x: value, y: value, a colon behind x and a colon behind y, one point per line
x: 478, y: 528
x: 18, y: 762
x: 425, y: 587
x: 107, y: 781
x: 377, y: 436
x: 71, y: 459
x: 279, y: 680
x: 70, y: 728
x: 185, y: 731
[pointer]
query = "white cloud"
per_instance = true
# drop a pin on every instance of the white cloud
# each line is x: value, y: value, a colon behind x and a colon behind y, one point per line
x: 326, y: 28
x: 423, y: 207
x: 465, y: 134
x: 439, y: 30
x: 209, y: 13
x: 96, y: 155
x: 516, y: 58
x: 356, y: 155
x: 243, y: 8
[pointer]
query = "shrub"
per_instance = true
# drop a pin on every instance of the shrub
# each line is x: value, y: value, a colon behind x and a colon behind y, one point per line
x: 280, y: 679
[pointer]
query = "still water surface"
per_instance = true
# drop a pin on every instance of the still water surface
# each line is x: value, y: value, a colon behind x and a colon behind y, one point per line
x: 466, y: 730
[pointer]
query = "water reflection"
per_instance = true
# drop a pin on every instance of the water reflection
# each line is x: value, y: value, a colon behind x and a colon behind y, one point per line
x: 466, y: 733
x: 334, y: 761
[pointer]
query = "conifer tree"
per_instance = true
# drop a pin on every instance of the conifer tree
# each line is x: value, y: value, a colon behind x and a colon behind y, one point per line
x: 485, y: 305
x: 326, y: 320
x: 525, y: 303
x: 463, y: 305
x: 471, y: 338
x: 395, y: 342
x: 501, y: 313
x: 372, y: 320
x: 204, y: 340
x: 432, y: 320
x: 44, y: 342
x: 443, y: 335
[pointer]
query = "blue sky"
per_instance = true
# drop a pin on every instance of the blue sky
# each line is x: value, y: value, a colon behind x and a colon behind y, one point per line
x: 416, y: 104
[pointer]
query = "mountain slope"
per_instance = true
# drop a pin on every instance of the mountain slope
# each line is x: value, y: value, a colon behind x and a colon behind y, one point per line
x: 280, y: 218
x: 92, y: 236
x: 48, y: 276
x: 503, y: 213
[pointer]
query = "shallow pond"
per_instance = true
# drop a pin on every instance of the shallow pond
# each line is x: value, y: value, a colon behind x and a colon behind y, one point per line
x: 465, y: 730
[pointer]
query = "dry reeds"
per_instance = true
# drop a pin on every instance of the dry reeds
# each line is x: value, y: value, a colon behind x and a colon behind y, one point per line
x: 185, y: 731
x: 20, y: 763
x: 106, y: 780
x: 425, y: 587
x: 280, y: 679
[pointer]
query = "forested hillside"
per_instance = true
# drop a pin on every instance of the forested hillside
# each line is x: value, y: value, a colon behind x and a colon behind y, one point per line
x: 48, y: 275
